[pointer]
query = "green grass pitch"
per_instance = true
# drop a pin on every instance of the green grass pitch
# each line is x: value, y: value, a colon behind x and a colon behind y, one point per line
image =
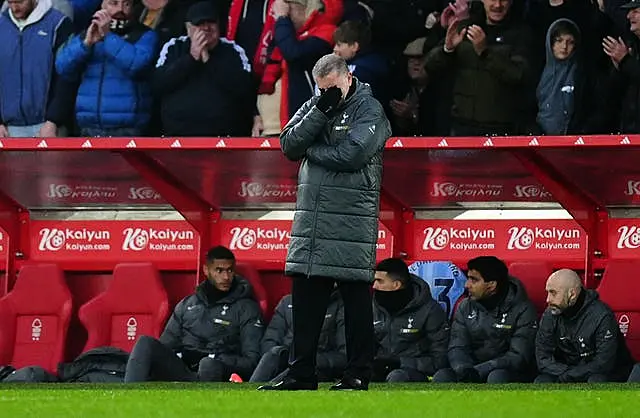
x: 242, y: 400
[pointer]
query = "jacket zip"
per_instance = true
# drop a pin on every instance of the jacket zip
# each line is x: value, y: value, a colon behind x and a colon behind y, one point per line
x: 53, y: 69
x: 22, y: 113
x: 313, y: 237
x: 392, y: 342
x: 100, y: 94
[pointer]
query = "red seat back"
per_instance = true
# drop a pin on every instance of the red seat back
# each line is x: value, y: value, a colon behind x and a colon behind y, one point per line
x: 134, y: 304
x: 247, y: 271
x: 34, y: 318
x: 533, y: 275
x: 619, y: 288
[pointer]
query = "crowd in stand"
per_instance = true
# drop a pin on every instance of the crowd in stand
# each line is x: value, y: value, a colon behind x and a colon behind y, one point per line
x: 243, y: 67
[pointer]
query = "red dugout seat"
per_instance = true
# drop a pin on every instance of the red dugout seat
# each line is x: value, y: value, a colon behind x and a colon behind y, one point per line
x: 247, y: 271
x: 134, y: 304
x: 533, y: 275
x: 619, y: 288
x: 34, y: 318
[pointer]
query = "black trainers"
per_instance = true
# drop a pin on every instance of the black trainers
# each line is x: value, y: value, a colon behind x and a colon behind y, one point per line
x: 349, y: 383
x: 289, y: 383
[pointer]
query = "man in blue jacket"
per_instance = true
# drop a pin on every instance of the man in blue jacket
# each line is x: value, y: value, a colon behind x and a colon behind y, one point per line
x: 33, y: 101
x: 111, y: 61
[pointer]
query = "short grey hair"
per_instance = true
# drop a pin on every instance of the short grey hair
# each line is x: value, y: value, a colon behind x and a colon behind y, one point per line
x: 328, y: 64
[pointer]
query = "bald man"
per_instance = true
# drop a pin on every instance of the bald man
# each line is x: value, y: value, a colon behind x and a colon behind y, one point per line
x: 579, y: 339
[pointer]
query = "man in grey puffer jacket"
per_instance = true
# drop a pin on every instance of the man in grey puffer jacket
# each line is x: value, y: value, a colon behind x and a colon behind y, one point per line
x: 339, y: 136
x: 579, y: 339
x: 211, y: 334
x: 412, y: 330
x: 494, y: 330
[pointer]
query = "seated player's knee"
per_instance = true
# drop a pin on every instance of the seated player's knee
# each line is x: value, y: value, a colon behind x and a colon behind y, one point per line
x: 211, y: 370
x: 499, y: 376
x: 144, y: 344
x: 444, y: 376
x: 397, y: 375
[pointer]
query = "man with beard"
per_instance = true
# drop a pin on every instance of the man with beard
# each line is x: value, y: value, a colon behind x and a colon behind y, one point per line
x: 211, y: 334
x: 493, y: 331
x: 110, y: 61
x: 579, y: 339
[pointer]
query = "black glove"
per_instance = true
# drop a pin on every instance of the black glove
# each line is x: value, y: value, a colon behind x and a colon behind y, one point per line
x: 192, y: 358
x: 329, y: 100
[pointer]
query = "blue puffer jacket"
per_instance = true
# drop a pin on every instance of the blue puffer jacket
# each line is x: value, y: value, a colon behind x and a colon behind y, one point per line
x: 29, y: 93
x: 114, y: 90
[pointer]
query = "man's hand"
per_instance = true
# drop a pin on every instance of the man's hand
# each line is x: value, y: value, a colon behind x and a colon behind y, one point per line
x: 280, y: 8
x: 478, y: 38
x: 258, y: 126
x: 93, y: 35
x: 205, y: 55
x: 616, y: 49
x: 401, y: 108
x: 329, y: 100
x: 103, y: 20
x: 431, y: 20
x: 4, y: 133
x: 453, y: 38
x: 198, y: 41
x: 48, y: 130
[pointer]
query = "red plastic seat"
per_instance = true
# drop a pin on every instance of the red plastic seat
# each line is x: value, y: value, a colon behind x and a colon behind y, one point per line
x: 34, y: 318
x: 134, y: 304
x: 249, y: 272
x: 619, y: 288
x: 533, y: 275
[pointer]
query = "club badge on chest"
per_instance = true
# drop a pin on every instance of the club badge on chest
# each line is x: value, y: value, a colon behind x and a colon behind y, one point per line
x: 502, y: 324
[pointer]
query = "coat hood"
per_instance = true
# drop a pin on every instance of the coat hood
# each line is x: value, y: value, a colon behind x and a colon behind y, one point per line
x: 42, y: 7
x: 549, y: 42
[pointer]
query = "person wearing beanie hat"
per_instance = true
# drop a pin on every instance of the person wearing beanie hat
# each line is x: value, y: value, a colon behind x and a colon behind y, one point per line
x: 203, y: 81
x: 493, y: 330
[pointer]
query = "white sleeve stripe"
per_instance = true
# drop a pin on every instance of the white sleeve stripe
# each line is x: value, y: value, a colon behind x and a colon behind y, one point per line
x: 243, y: 55
x: 165, y: 50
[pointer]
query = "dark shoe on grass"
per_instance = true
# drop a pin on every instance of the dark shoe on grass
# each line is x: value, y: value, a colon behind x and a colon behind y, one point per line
x: 350, y: 383
x: 289, y: 383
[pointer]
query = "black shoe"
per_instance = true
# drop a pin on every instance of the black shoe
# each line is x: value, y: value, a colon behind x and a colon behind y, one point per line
x: 289, y: 383
x: 350, y: 383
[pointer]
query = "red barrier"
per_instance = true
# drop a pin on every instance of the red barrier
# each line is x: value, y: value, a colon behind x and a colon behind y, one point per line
x: 204, y: 177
